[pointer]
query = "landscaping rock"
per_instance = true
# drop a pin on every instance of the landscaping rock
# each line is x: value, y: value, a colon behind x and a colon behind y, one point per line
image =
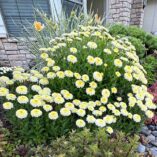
x: 154, y: 133
x: 154, y: 151
x: 146, y: 131
x: 141, y: 148
x: 148, y: 146
x: 154, y: 143
x: 151, y: 138
x: 151, y: 127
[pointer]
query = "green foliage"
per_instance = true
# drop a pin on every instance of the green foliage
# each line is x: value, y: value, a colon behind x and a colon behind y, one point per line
x: 91, y: 144
x: 140, y: 39
x: 54, y: 27
x: 139, y: 46
x: 85, y: 143
x: 151, y: 42
x: 89, y: 80
x: 118, y: 29
x: 137, y: 32
x: 150, y: 65
x: 4, y: 134
x: 131, y: 31
x: 136, y: 36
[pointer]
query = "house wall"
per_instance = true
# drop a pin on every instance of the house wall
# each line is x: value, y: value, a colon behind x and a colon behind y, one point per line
x: 128, y: 12
x: 137, y: 13
x: 119, y: 11
x: 12, y: 53
x: 150, y: 16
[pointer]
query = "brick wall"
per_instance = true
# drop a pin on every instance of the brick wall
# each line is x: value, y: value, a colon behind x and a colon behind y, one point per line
x: 128, y: 12
x: 13, y: 53
x: 119, y: 11
x: 137, y: 13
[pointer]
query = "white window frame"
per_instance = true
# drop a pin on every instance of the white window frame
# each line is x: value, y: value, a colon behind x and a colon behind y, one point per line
x: 3, y: 31
x: 56, y: 7
x: 107, y: 14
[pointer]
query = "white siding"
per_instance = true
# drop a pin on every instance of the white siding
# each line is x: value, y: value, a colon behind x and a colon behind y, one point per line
x: 2, y: 27
x: 150, y: 16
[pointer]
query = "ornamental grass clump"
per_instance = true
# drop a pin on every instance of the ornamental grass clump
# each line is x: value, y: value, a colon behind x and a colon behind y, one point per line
x: 89, y: 79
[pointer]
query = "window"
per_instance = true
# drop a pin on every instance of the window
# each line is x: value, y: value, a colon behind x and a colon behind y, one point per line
x: 69, y: 5
x: 19, y: 12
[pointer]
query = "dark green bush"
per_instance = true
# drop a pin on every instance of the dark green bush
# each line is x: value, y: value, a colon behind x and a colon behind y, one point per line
x: 118, y: 29
x: 151, y: 42
x: 132, y: 31
x: 150, y: 65
x: 85, y: 143
x: 136, y: 36
x: 139, y: 46
x: 146, y: 39
x: 138, y: 33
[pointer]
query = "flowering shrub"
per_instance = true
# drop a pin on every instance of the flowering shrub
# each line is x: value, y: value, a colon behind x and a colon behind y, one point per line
x: 6, y: 71
x: 90, y: 79
x: 5, y: 74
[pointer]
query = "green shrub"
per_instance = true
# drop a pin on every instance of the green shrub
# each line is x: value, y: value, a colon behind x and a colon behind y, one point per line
x: 136, y: 36
x: 131, y: 31
x: 151, y: 42
x: 118, y: 29
x: 139, y: 46
x: 138, y: 33
x: 88, y: 79
x: 78, y: 144
x: 91, y: 144
x: 150, y: 65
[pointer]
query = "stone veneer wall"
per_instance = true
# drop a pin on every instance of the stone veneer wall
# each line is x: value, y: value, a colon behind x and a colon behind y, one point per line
x: 13, y: 53
x: 137, y: 13
x: 128, y: 12
x: 119, y: 11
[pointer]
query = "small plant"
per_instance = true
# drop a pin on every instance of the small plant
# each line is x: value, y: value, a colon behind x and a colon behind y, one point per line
x: 92, y: 144
x: 3, y: 138
x: 150, y: 65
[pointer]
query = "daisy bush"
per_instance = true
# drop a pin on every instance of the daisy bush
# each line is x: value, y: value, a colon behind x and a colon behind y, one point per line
x: 89, y: 79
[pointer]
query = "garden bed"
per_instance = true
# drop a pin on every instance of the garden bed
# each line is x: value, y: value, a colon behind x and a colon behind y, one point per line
x: 86, y: 96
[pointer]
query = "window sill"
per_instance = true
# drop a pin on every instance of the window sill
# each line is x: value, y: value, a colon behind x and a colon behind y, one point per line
x: 3, y: 35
